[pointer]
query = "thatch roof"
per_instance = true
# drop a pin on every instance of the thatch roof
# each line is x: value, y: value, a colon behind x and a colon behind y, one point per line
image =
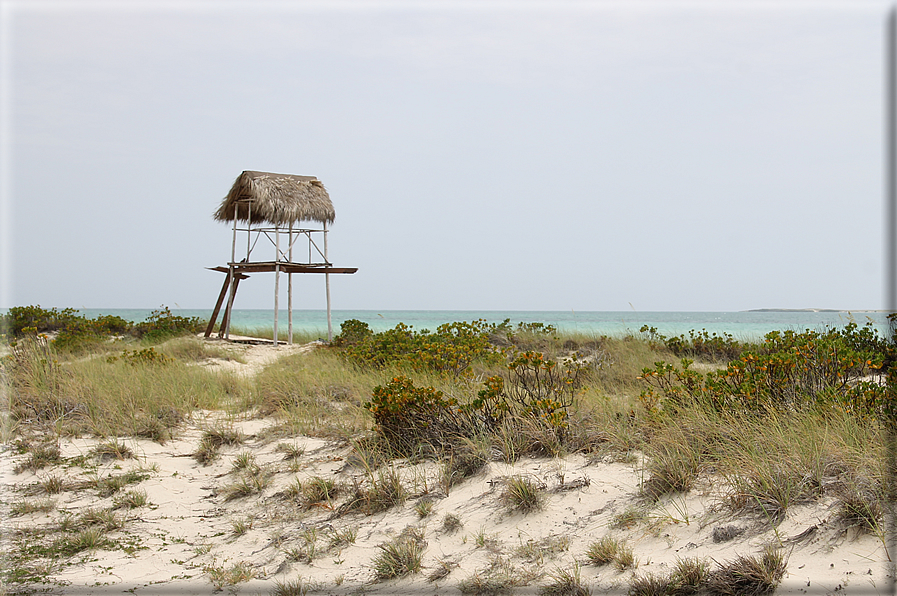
x: 277, y: 199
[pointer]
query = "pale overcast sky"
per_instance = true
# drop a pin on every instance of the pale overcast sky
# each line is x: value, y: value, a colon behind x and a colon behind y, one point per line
x: 703, y: 156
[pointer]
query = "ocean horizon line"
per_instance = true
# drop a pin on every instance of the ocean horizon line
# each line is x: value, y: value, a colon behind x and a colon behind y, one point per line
x: 270, y: 309
x: 753, y: 324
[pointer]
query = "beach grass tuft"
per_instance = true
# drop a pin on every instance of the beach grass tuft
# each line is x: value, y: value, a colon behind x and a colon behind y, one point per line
x: 400, y: 557
x: 749, y: 576
x: 565, y: 582
x: 524, y: 495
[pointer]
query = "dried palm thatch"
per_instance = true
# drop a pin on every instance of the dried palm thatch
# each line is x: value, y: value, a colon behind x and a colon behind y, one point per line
x: 277, y: 199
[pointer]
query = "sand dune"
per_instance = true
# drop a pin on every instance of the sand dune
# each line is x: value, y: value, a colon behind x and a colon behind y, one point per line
x: 194, y: 532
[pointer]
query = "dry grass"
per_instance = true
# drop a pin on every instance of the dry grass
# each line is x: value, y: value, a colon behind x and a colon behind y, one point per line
x: 25, y: 507
x: 565, y: 582
x: 131, y: 499
x: 463, y: 463
x: 222, y: 577
x: 112, y: 449
x: 744, y: 576
x: 401, y: 556
x: 749, y: 576
x: 383, y: 490
x: 524, y: 495
x: 247, y: 485
x: 608, y: 551
x: 107, y: 519
x: 213, y: 439
x: 675, y: 458
x: 451, y: 523
x: 499, y: 577
x: 39, y: 457
x: 194, y: 349
x: 320, y: 490
x: 536, y: 551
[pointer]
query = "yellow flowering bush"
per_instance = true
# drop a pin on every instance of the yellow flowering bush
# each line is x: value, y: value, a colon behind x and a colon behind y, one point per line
x: 840, y: 368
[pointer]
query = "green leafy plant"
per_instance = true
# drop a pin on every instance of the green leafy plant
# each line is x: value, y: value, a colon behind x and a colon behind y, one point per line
x: 352, y: 332
x: 407, y: 416
x: 787, y: 371
x: 162, y: 324
x: 536, y: 387
x: 450, y: 350
x: 18, y: 319
x: 697, y: 344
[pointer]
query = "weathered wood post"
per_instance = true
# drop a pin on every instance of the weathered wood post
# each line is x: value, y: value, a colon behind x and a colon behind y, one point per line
x: 327, y: 286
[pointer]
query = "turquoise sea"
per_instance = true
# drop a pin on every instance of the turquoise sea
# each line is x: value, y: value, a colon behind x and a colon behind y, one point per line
x: 742, y: 325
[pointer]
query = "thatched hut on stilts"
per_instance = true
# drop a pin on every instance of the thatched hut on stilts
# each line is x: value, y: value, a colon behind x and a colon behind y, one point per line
x: 271, y: 206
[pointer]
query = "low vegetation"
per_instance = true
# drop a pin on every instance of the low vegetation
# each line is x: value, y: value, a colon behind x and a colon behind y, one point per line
x: 793, y: 418
x: 744, y: 576
x: 400, y: 556
x: 77, y: 333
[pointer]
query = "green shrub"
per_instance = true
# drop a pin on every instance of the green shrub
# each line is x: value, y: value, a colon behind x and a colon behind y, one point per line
x: 352, y: 332
x: 39, y: 320
x: 407, y: 416
x: 454, y: 347
x: 788, y: 371
x: 536, y: 389
x: 542, y: 389
x: 77, y: 334
x: 379, y: 349
x: 450, y: 350
x: 698, y: 344
x: 162, y: 324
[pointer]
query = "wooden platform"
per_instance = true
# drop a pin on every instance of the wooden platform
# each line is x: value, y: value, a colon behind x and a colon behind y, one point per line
x: 271, y: 266
x: 241, y: 271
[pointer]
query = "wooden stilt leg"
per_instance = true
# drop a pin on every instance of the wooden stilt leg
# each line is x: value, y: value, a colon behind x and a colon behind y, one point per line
x: 225, y: 320
x: 218, y: 304
x: 221, y: 297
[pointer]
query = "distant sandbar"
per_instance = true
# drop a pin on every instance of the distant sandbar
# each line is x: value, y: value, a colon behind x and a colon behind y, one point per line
x: 810, y: 310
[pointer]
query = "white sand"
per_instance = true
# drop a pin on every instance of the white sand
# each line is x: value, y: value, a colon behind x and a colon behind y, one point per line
x: 188, y: 530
